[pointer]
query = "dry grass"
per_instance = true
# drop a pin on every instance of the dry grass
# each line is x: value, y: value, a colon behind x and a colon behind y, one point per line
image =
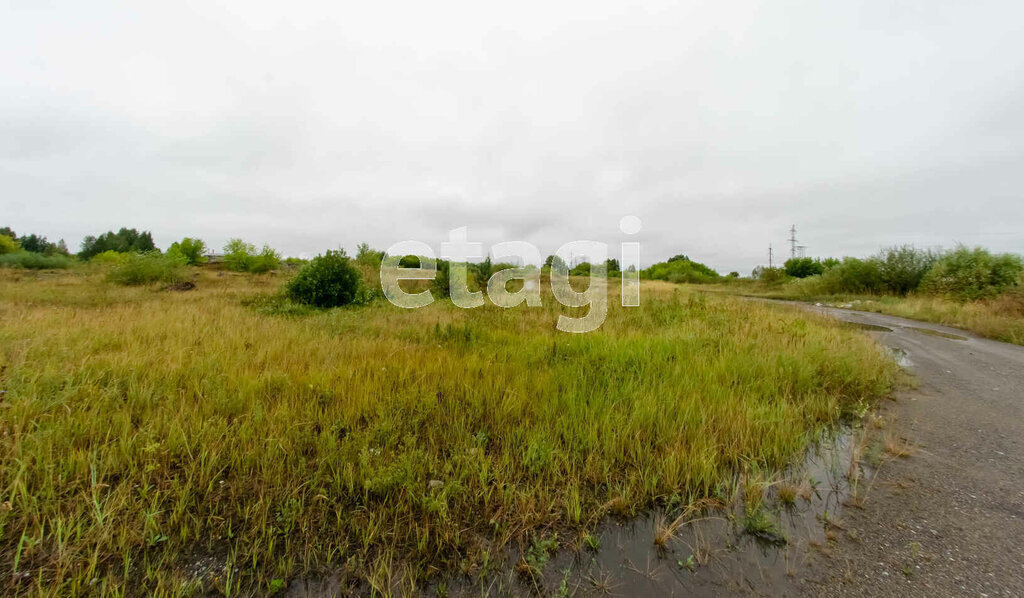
x: 1000, y: 318
x: 175, y: 443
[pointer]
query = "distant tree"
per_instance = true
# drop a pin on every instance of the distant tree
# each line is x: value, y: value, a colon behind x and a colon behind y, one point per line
x: 442, y: 281
x: 8, y: 244
x: 483, y: 272
x: 612, y: 265
x: 369, y: 256
x: 7, y: 232
x: 581, y: 269
x: 969, y: 274
x: 678, y: 258
x: 238, y: 255
x: 802, y: 267
x: 903, y: 268
x: 830, y: 262
x: 123, y: 241
x: 409, y: 261
x: 554, y: 262
x: 34, y: 243
x: 190, y: 249
x: 853, y: 275
x: 734, y: 275
x: 268, y: 259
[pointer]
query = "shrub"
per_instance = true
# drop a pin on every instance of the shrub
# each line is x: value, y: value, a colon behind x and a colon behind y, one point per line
x: 242, y: 257
x: 329, y: 280
x: 265, y: 261
x: 581, y: 269
x: 902, y: 269
x: 368, y: 256
x: 852, y: 276
x: 769, y: 275
x: 147, y: 268
x: 7, y: 245
x: 238, y: 255
x: 680, y: 268
x: 191, y: 250
x: 802, y: 267
x: 108, y: 258
x: 36, y: 261
x: 441, y: 284
x: 969, y: 274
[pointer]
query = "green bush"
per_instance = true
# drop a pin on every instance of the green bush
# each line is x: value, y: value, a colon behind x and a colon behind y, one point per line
x: 902, y: 269
x: 369, y: 256
x: 329, y: 280
x: 109, y: 258
x: 8, y: 245
x: 238, y: 255
x: 36, y: 261
x: 265, y: 261
x: 191, y: 250
x: 852, y: 276
x: 680, y: 269
x: 802, y: 267
x: 242, y: 257
x: 769, y: 275
x: 969, y: 274
x: 147, y: 268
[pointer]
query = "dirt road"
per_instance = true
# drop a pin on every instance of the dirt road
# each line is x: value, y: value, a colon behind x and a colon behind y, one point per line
x: 949, y: 520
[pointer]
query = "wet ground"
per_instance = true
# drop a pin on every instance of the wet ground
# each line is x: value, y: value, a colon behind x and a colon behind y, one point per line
x: 672, y: 553
x: 948, y: 520
x: 924, y: 498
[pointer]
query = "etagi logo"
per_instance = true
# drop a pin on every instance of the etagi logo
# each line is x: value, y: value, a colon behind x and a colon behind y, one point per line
x: 459, y: 251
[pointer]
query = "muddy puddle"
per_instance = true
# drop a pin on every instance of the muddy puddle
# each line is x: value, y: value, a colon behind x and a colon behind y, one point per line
x: 704, y: 554
x: 712, y: 552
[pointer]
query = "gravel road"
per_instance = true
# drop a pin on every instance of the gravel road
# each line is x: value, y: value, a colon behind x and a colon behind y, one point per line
x: 948, y: 520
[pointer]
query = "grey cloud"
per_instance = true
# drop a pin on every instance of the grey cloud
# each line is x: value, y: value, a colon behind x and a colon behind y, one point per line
x: 865, y: 124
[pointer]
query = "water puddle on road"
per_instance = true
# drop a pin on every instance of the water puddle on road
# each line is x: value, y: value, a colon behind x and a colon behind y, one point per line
x: 863, y: 326
x: 930, y: 332
x: 704, y: 553
x: 899, y: 356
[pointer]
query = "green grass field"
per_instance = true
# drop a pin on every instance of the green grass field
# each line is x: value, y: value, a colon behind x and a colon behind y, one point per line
x: 146, y: 432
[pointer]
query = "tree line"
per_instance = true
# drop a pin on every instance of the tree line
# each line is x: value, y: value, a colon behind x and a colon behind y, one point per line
x: 963, y: 272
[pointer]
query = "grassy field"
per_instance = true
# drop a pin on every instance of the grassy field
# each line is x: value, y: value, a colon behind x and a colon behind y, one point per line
x: 1000, y: 318
x: 183, y: 442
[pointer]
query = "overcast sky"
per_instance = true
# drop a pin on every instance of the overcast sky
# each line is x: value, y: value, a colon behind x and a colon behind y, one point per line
x: 313, y: 125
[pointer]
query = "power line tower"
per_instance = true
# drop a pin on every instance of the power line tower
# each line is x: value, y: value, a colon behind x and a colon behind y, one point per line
x: 771, y: 256
x: 795, y: 250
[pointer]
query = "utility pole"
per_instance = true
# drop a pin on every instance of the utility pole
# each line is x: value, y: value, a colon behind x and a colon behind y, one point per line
x: 771, y: 264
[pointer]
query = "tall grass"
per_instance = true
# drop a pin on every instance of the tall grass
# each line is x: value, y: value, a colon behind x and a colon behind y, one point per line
x: 147, y: 435
x: 148, y: 268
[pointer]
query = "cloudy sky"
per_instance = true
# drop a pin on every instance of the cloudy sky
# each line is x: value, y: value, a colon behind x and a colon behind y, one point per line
x: 313, y: 125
